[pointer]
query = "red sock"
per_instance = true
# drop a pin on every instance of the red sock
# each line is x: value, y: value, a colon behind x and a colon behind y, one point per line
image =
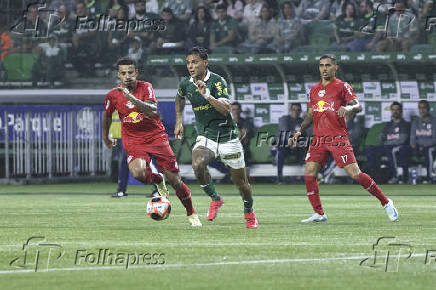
x: 369, y: 184
x: 313, y: 194
x: 184, y: 195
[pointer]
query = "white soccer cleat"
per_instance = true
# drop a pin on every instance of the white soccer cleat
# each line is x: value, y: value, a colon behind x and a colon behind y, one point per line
x: 316, y: 217
x: 162, y: 188
x: 194, y: 220
x: 391, y: 211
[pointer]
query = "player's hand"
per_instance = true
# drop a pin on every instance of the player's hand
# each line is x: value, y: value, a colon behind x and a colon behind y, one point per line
x: 109, y: 142
x: 178, y: 131
x: 201, y: 87
x: 343, y: 111
x: 125, y: 91
x: 292, y: 142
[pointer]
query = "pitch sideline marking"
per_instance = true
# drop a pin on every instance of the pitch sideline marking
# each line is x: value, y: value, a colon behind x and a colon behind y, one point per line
x: 253, y: 262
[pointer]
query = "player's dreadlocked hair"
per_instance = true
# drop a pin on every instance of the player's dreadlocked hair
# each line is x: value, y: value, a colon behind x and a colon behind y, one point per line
x: 126, y: 61
x: 200, y: 51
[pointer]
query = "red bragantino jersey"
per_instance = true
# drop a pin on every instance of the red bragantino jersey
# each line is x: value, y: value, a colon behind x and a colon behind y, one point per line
x: 136, y: 128
x: 325, y: 101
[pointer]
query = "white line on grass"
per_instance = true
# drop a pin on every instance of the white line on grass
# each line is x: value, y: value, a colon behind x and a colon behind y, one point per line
x: 253, y: 262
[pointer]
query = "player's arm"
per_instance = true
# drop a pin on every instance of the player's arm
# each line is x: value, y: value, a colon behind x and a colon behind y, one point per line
x: 308, y: 119
x: 107, y: 121
x: 352, y: 107
x: 180, y: 106
x: 222, y: 105
x: 148, y: 108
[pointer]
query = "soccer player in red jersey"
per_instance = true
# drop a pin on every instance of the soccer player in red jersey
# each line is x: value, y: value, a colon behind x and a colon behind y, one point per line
x: 331, y: 101
x: 143, y: 134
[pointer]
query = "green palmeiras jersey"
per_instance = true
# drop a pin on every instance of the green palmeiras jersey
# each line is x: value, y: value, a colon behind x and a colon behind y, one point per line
x: 209, y: 122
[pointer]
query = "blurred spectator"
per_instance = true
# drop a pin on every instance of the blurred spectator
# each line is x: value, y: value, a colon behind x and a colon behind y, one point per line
x: 84, y: 46
x: 261, y: 33
x: 245, y: 130
x: 117, y: 43
x: 370, y: 29
x: 402, y: 30
x: 152, y: 6
x: 313, y: 10
x: 147, y: 35
x: 422, y: 8
x: 49, y: 65
x: 199, y: 30
x: 273, y: 6
x: 222, y: 31
x: 137, y: 53
x: 290, y: 29
x: 336, y: 8
x: 288, y: 125
x: 94, y: 7
x: 347, y: 26
x: 423, y: 137
x: 172, y: 39
x: 251, y: 12
x: 182, y: 9
x: 235, y: 9
x: 394, y: 145
x: 113, y: 6
x: 63, y: 30
x: 5, y: 42
x: 70, y: 5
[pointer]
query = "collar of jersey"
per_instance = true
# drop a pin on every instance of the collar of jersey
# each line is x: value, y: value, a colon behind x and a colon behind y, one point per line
x: 205, y: 79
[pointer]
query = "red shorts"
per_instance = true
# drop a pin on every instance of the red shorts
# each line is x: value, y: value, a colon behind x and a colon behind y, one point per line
x: 160, y: 149
x: 342, y: 152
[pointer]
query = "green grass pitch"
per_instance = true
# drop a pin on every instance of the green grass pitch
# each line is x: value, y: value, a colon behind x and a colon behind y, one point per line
x: 281, y: 254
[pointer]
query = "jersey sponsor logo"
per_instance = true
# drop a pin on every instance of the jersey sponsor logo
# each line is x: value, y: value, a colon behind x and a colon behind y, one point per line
x: 323, y: 106
x: 321, y: 93
x: 219, y: 88
x: 133, y: 117
x: 130, y: 105
x: 202, y: 108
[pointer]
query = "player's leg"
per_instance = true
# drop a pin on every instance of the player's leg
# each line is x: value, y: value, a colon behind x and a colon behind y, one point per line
x: 123, y: 172
x: 240, y: 179
x: 316, y: 158
x: 369, y: 184
x: 232, y: 155
x: 166, y: 161
x: 310, y: 173
x: 141, y: 171
x: 201, y: 157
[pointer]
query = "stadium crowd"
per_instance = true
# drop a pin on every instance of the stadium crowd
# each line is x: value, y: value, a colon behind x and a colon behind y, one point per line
x: 97, y: 31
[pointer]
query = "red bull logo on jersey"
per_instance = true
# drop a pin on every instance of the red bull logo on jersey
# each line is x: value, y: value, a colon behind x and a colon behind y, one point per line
x: 133, y: 117
x: 323, y: 106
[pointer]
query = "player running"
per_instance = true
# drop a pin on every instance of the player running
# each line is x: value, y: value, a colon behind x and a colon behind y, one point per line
x: 143, y: 134
x: 331, y: 100
x: 217, y: 132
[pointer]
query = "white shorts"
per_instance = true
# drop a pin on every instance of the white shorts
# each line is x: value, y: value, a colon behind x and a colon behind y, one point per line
x: 231, y: 152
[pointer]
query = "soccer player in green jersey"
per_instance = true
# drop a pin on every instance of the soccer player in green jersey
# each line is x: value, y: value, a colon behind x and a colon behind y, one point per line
x: 217, y: 132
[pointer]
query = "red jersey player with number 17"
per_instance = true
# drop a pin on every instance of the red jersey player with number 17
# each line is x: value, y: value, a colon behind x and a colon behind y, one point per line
x: 331, y: 101
x: 143, y: 134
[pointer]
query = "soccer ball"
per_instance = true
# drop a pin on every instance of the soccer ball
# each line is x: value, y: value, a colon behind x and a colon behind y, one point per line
x: 158, y: 208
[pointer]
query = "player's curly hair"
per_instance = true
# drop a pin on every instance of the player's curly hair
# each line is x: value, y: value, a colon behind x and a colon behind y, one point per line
x: 200, y: 51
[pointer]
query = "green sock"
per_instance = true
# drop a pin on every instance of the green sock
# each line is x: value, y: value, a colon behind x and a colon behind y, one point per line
x: 210, y: 190
x: 248, y: 205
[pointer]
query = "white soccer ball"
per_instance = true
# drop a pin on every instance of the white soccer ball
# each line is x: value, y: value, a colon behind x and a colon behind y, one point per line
x: 158, y: 208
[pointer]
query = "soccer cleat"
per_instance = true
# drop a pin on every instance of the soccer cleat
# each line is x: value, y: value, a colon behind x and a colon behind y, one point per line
x: 316, y: 217
x: 155, y: 193
x: 194, y: 220
x: 251, y: 221
x: 213, y: 208
x: 119, y: 194
x: 162, y: 188
x: 391, y: 211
